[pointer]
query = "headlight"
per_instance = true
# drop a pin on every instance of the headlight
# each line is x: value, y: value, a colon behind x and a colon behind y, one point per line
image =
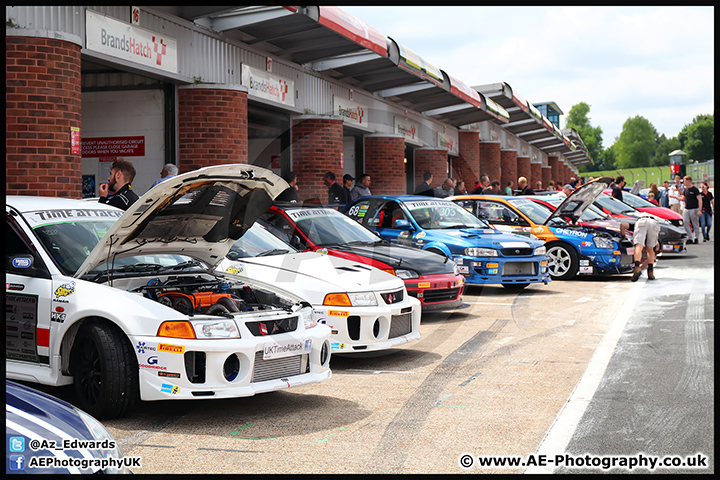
x: 681, y: 223
x: 215, y: 329
x: 480, y: 252
x: 363, y: 299
x: 602, y: 242
x: 540, y: 250
x: 307, y: 317
x: 406, y: 274
x: 99, y: 432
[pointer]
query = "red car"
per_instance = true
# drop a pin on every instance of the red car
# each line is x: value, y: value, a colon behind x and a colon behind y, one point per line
x: 647, y: 206
x: 431, y: 278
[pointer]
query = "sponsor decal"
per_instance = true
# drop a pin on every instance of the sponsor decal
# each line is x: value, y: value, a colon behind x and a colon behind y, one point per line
x: 153, y: 360
x: 65, y: 290
x: 571, y: 233
x: 287, y: 348
x: 167, y: 388
x: 424, y: 285
x: 44, y: 217
x: 21, y: 262
x: 236, y: 269
x: 337, y: 346
x: 57, y: 317
x: 15, y: 286
x: 151, y: 367
x: 168, y: 374
x: 142, y: 347
x: 268, y: 86
x: 338, y: 313
x: 164, y: 347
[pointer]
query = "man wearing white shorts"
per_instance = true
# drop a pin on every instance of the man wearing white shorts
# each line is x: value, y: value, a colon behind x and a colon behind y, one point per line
x: 645, y: 237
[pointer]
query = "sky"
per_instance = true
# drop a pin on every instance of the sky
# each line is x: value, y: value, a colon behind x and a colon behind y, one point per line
x: 655, y: 62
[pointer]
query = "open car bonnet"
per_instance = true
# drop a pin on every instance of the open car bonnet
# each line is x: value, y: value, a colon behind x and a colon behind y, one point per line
x: 199, y: 214
x: 576, y: 203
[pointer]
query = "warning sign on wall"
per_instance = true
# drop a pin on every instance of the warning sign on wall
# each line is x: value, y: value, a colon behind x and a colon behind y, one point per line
x: 113, y: 146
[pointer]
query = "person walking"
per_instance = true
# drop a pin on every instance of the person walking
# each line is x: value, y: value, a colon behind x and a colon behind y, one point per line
x: 424, y: 188
x: 708, y: 204
x: 645, y: 238
x: 169, y: 171
x: 122, y: 173
x: 691, y: 215
x: 336, y: 194
x: 525, y: 189
x: 289, y: 194
x: 361, y: 188
x: 446, y: 189
x: 617, y: 187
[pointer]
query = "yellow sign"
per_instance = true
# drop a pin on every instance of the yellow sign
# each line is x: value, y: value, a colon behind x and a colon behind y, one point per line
x: 164, y: 347
x: 424, y: 285
x: 338, y: 313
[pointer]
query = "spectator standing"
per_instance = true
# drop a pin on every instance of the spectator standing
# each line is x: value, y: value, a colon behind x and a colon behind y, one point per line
x: 538, y: 186
x: 525, y: 189
x: 551, y: 186
x: 336, y: 194
x: 617, y: 187
x: 493, y: 189
x: 691, y: 216
x: 572, y: 182
x: 347, y: 186
x: 361, y: 188
x: 674, y: 196
x: 708, y: 204
x: 460, y: 188
x: 664, y: 197
x: 645, y: 237
x: 566, y: 190
x: 289, y: 194
x: 482, y: 184
x: 508, y: 188
x: 446, y: 189
x: 168, y: 171
x: 122, y: 173
x: 424, y: 188
x: 656, y: 193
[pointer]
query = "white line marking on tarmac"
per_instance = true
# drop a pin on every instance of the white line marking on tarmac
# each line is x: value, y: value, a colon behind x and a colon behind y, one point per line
x: 561, y: 431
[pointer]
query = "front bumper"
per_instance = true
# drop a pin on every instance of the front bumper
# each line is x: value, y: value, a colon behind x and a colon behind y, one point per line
x: 174, y: 368
x: 367, y: 329
x: 504, y: 270
x: 437, y: 292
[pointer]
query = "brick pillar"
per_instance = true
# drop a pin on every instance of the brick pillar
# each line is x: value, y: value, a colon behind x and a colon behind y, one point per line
x: 212, y: 126
x: 509, y: 169
x: 385, y: 163
x: 546, y: 174
x: 490, y: 159
x: 317, y: 146
x: 535, y: 173
x: 523, y: 170
x: 433, y: 159
x: 42, y: 95
x: 469, y: 162
x: 553, y: 163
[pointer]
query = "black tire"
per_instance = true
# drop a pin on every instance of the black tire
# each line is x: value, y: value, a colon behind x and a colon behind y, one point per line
x: 515, y: 286
x: 105, y: 370
x: 563, y: 261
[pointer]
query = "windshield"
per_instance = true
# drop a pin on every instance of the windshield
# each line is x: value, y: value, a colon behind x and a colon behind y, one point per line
x: 69, y: 243
x: 635, y: 201
x: 613, y: 204
x: 534, y: 211
x: 328, y: 227
x: 258, y: 242
x: 439, y: 214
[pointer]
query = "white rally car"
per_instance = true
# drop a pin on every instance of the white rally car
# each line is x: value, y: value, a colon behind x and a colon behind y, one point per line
x: 127, y: 305
x: 366, y: 308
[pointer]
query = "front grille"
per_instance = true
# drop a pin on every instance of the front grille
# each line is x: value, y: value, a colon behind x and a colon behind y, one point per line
x: 519, y: 268
x: 400, y: 325
x: 392, y: 297
x: 440, y: 295
x: 273, y: 327
x: 515, y: 252
x: 275, y: 368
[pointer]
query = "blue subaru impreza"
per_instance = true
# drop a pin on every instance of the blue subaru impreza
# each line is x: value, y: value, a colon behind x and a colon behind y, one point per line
x: 483, y: 254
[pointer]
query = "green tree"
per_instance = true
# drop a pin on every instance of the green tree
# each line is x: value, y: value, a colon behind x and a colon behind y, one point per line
x: 579, y: 119
x: 698, y: 138
x: 637, y: 143
x: 665, y: 146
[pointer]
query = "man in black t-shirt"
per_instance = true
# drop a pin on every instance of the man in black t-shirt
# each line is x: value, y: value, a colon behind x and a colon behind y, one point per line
x: 336, y: 194
x: 617, y: 187
x: 691, y: 216
x: 289, y: 194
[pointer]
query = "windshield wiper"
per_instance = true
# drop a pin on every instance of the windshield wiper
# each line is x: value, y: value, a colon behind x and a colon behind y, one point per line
x: 456, y: 226
x: 180, y: 266
x: 274, y: 251
x: 138, y: 267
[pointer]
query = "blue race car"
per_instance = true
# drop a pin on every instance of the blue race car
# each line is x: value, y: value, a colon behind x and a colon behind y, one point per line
x: 483, y: 254
x: 44, y: 434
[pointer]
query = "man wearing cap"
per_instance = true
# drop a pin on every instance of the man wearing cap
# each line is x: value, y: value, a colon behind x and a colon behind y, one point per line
x: 566, y: 190
x: 347, y: 186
